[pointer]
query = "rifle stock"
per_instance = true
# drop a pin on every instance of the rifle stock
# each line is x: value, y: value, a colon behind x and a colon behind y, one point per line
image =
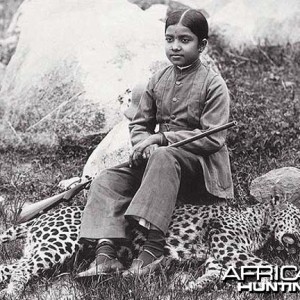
x: 29, y: 212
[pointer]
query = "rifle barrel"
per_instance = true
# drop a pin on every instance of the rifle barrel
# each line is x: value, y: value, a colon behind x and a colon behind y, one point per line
x: 191, y: 139
x: 204, y: 134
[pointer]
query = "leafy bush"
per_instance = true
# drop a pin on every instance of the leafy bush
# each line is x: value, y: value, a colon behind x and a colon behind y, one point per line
x: 264, y: 87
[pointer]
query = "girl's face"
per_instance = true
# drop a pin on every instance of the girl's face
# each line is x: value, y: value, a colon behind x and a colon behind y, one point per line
x: 182, y: 45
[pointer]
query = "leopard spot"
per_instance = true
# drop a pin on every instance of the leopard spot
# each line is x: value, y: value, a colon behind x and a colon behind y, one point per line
x: 226, y: 259
x: 49, y: 254
x: 185, y: 225
x: 62, y: 251
x: 77, y: 215
x: 243, y: 257
x: 59, y: 244
x: 39, y: 233
x: 186, y: 245
x: 239, y: 264
x: 63, y: 237
x: 69, y: 247
x: 57, y: 257
x: 180, y: 254
x: 176, y: 232
x: 174, y: 242
x: 45, y: 236
x: 185, y: 237
x: 54, y: 231
x: 195, y: 220
x: 224, y: 239
x: 74, y: 236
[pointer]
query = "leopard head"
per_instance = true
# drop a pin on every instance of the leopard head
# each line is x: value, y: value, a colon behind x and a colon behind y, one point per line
x: 283, y: 220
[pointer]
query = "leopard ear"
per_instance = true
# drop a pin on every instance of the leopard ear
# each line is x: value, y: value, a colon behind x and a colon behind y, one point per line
x: 278, y: 199
x: 295, y: 199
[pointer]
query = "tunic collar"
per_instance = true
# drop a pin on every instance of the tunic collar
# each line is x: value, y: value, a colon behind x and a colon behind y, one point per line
x: 188, y: 69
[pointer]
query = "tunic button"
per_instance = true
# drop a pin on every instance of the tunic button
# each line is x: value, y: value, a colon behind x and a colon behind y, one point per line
x: 178, y: 82
x: 173, y: 117
x: 174, y: 99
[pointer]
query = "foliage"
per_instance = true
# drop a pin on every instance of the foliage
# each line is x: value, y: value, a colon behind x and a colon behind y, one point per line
x: 264, y: 88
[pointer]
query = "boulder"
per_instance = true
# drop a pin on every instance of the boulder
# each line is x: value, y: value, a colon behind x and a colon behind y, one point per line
x: 285, y: 182
x: 65, y: 78
x: 2, y: 72
x: 248, y: 23
x: 113, y: 150
x: 240, y: 22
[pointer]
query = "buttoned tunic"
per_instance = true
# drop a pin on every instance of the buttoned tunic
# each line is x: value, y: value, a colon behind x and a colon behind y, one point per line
x: 185, y: 102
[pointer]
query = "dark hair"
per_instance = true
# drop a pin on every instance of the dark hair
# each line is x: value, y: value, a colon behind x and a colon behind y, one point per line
x: 191, y: 18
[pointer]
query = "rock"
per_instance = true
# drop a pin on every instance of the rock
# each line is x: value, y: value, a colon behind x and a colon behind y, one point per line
x: 113, y: 150
x: 65, y: 78
x: 2, y: 72
x: 285, y: 182
x: 8, y: 47
x: 248, y: 23
x: 146, y: 4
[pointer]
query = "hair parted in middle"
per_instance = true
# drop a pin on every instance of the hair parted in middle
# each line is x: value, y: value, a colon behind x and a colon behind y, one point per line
x: 191, y: 18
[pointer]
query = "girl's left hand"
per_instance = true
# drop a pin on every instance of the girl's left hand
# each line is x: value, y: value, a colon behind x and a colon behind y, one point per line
x: 149, y: 150
x: 144, y: 149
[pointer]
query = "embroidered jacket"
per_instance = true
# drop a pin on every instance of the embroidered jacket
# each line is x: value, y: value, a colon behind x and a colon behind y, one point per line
x: 184, y: 102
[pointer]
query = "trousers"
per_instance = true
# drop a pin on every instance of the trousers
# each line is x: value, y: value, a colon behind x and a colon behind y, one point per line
x: 150, y: 192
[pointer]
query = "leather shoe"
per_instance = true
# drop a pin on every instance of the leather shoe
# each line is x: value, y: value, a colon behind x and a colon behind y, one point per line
x: 146, y: 263
x: 108, y: 266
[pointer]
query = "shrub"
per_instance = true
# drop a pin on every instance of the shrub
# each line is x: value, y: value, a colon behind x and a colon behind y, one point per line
x: 263, y: 84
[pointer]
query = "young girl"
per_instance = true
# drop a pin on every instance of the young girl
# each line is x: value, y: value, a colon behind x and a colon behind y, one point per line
x: 184, y: 99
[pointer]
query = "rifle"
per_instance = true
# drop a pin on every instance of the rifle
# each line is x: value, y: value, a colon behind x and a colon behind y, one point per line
x: 31, y: 211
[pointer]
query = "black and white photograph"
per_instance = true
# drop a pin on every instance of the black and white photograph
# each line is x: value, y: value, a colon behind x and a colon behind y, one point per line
x: 149, y: 149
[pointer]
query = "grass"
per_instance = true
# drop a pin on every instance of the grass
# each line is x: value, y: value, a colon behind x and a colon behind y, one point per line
x: 263, y: 84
